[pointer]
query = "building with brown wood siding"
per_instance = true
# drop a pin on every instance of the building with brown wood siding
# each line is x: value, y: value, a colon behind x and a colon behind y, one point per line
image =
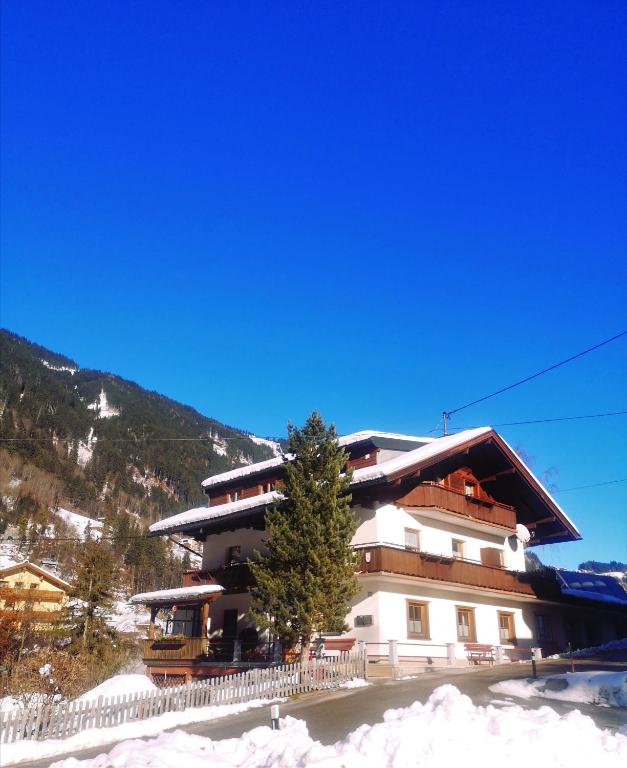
x: 443, y: 524
x: 30, y: 593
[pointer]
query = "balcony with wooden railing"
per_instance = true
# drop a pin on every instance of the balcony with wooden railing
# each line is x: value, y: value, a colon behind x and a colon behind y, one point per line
x: 432, y: 495
x: 31, y: 595
x: 234, y: 578
x: 390, y: 559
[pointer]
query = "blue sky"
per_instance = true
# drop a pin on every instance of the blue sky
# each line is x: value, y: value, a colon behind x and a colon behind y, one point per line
x: 379, y: 210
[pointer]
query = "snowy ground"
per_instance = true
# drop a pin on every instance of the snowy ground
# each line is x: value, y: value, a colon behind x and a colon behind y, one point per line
x: 447, y: 730
x: 607, y: 689
x: 80, y: 523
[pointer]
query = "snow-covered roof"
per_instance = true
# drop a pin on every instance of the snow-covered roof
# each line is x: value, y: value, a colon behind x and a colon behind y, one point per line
x: 168, y: 596
x: 410, y: 458
x: 354, y: 437
x: 430, y: 449
x: 37, y: 569
x: 200, y: 514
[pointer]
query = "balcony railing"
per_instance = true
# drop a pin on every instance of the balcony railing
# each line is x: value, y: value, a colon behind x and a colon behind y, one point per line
x: 434, y: 495
x: 234, y: 578
x: 396, y: 560
x: 9, y: 614
x: 202, y: 650
x: 175, y: 649
x: 31, y: 595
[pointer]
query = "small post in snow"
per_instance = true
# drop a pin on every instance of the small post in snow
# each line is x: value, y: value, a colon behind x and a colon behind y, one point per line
x: 274, y: 717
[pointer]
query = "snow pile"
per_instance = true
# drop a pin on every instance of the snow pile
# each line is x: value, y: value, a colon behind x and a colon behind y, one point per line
x: 447, y: 730
x: 26, y: 751
x: 80, y: 523
x: 120, y: 685
x: 355, y: 682
x: 605, y: 688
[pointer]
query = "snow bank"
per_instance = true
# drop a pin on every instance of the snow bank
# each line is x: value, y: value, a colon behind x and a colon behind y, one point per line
x: 605, y: 688
x: 447, y: 730
x: 26, y: 751
x: 120, y: 685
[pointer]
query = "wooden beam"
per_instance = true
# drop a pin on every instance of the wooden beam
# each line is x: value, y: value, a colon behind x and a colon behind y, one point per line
x: 151, y: 626
x: 510, y: 471
x: 204, y: 619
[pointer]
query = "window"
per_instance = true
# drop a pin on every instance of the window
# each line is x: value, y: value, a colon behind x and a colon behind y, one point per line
x: 235, y: 495
x: 469, y: 488
x: 466, y: 625
x: 544, y: 627
x: 233, y: 555
x: 19, y: 585
x: 458, y: 548
x: 33, y: 586
x: 181, y: 622
x: 507, y: 634
x: 267, y: 487
x: 411, y: 539
x: 363, y: 621
x: 4, y: 584
x: 417, y: 620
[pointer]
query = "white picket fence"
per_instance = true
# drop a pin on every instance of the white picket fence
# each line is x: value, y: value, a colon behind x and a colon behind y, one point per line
x: 58, y: 721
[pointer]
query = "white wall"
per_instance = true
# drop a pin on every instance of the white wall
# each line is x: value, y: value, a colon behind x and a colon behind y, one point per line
x: 215, y: 546
x: 388, y: 604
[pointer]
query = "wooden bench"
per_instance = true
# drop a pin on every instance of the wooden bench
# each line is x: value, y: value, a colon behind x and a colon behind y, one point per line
x: 336, y: 645
x: 478, y: 653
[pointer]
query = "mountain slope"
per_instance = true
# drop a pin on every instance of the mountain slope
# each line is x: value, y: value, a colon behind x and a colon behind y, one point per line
x: 95, y: 442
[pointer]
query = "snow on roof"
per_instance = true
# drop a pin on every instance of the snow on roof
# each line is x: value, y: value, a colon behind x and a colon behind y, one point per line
x: 200, y: 514
x: 173, y: 595
x: 261, y: 466
x: 37, y: 568
x: 591, y: 586
x: 398, y: 463
x: 430, y: 448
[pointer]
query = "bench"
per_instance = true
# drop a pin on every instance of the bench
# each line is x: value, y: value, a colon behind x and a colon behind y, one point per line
x: 336, y: 645
x: 478, y: 653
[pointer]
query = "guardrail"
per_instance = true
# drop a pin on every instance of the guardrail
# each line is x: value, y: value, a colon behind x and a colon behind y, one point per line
x: 59, y: 721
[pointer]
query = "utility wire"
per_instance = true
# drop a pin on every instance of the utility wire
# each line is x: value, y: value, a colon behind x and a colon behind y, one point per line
x: 448, y: 414
x: 593, y: 485
x: 540, y: 421
x: 430, y: 432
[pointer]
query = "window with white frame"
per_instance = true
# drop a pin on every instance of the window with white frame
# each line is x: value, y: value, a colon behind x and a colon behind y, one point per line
x: 412, y: 539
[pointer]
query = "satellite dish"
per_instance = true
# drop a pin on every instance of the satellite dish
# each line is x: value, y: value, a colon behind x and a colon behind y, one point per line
x: 522, y: 533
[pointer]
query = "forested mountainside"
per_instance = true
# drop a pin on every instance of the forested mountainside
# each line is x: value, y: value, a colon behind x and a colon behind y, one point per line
x: 97, y: 444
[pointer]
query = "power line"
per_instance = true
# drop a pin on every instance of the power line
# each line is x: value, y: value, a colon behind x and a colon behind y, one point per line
x: 448, y: 414
x: 592, y: 485
x: 541, y: 421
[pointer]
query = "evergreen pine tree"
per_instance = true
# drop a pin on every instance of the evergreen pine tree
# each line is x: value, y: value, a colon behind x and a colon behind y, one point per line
x: 90, y: 600
x: 305, y: 582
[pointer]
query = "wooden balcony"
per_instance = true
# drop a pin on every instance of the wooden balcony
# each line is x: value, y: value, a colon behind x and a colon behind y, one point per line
x: 435, y: 496
x: 31, y: 595
x: 46, y: 617
x: 234, y: 578
x: 395, y: 560
x: 173, y: 649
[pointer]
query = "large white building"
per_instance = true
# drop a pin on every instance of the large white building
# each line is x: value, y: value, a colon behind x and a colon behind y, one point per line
x: 443, y: 527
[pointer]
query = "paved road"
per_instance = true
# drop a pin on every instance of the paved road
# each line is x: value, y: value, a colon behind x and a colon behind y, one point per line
x: 331, y: 715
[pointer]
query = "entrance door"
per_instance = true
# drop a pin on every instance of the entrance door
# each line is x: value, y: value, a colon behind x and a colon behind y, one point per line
x: 229, y: 625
